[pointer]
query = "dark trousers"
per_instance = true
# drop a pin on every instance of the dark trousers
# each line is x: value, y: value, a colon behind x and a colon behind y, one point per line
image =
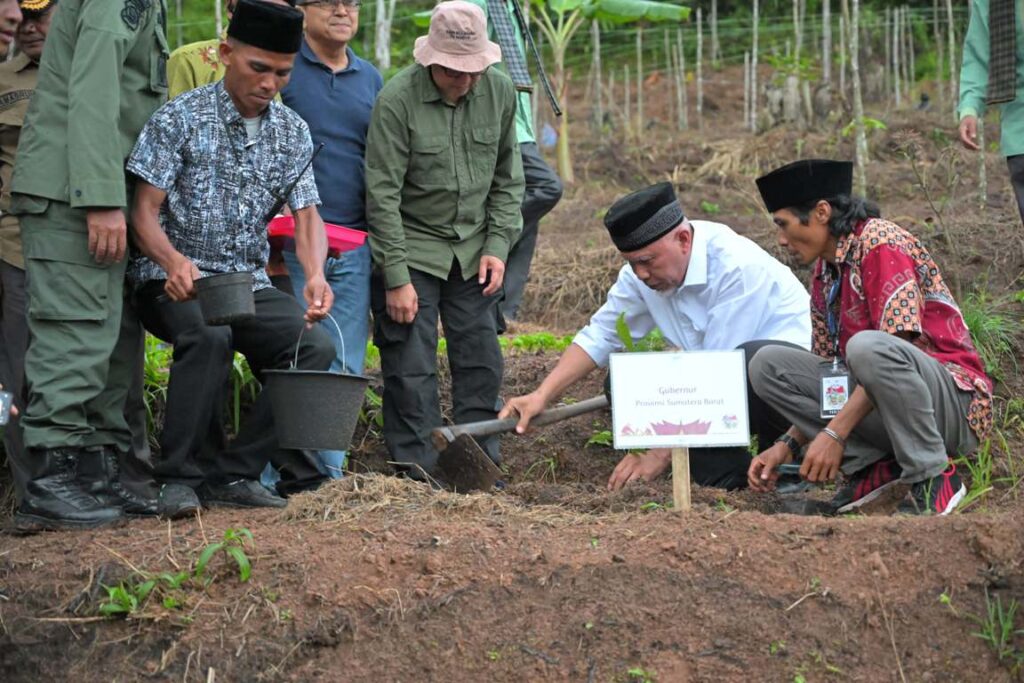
x: 543, y: 192
x: 13, y: 343
x: 408, y: 358
x: 1016, y: 166
x: 727, y: 467
x: 192, y: 444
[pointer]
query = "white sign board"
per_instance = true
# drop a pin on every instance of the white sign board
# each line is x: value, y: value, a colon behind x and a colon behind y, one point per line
x: 679, y: 399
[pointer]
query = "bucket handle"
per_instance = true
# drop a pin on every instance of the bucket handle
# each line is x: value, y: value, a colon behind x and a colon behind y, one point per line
x: 344, y: 365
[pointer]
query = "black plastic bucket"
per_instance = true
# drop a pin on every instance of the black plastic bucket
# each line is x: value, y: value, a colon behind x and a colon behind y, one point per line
x: 226, y: 298
x: 315, y: 409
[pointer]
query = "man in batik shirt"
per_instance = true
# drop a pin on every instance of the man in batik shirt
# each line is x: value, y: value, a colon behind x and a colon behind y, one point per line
x: 212, y: 163
x: 894, y: 387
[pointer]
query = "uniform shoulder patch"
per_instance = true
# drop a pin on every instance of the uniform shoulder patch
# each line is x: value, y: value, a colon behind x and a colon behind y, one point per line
x: 133, y: 11
x: 9, y: 99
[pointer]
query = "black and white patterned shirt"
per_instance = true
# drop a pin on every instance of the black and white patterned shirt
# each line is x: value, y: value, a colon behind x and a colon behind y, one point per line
x: 220, y: 186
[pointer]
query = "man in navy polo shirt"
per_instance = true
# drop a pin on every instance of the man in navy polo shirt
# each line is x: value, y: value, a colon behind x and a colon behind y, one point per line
x: 333, y: 90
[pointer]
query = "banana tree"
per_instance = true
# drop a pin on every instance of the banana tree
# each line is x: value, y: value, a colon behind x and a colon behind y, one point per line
x: 559, y: 20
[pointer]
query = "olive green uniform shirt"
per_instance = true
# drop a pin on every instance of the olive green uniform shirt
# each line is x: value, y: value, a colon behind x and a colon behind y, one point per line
x: 102, y: 75
x: 443, y: 182
x: 17, y: 81
x: 194, y: 65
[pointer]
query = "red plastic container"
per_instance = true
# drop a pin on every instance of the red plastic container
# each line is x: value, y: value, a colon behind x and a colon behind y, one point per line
x: 281, y: 233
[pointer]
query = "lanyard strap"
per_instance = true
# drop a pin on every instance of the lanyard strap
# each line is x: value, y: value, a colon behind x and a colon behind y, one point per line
x: 832, y: 306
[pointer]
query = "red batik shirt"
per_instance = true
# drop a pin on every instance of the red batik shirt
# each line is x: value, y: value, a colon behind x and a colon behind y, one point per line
x: 891, y: 283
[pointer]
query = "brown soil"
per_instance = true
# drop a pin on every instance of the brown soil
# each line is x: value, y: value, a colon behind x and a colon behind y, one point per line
x: 556, y: 578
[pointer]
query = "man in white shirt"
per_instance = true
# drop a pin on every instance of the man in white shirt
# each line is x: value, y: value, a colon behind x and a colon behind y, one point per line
x: 705, y: 288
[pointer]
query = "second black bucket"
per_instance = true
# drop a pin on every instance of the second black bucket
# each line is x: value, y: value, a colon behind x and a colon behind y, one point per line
x: 226, y: 298
x: 315, y: 409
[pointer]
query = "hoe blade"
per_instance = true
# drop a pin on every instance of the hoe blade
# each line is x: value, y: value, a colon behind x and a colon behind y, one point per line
x: 465, y: 467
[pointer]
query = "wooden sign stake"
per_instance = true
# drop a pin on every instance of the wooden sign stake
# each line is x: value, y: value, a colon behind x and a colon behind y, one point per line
x: 681, y: 479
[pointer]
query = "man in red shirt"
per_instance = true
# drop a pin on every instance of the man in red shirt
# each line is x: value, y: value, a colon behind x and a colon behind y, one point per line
x: 894, y: 387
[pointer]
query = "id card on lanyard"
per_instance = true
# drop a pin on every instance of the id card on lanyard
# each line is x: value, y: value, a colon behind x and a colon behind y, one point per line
x: 834, y: 377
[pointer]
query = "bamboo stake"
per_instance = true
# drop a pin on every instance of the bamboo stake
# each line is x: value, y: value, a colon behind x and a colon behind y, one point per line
x: 716, y: 49
x: 896, y: 57
x: 982, y: 172
x: 904, y: 43
x: 746, y: 87
x: 627, y: 115
x: 887, y: 47
x: 861, y: 157
x: 940, y: 62
x: 826, y: 41
x: 912, y: 78
x: 700, y: 71
x: 953, y: 95
x: 844, y: 58
x: 672, y: 114
x: 685, y: 117
x: 753, y: 68
x: 640, y: 80
x: 595, y: 37
x: 218, y: 20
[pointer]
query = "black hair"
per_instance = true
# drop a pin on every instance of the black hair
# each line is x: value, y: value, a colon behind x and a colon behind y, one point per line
x: 847, y: 211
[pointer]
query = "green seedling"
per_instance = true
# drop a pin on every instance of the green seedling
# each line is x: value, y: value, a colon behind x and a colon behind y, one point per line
x: 640, y: 675
x: 233, y: 546
x: 493, y: 655
x: 601, y: 438
x: 594, y: 543
x: 709, y: 208
x: 998, y: 630
x: 651, y: 506
x: 545, y: 467
x: 776, y: 647
x: 126, y: 598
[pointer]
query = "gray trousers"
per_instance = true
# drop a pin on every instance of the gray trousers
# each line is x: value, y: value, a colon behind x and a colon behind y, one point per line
x: 1016, y: 166
x: 920, y: 414
x: 408, y: 360
x: 543, y: 192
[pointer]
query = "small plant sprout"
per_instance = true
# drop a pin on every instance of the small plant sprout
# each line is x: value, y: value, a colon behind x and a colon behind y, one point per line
x: 594, y: 542
x: 776, y: 647
x: 493, y: 655
x: 233, y: 546
x: 638, y: 674
x: 601, y: 438
x: 709, y: 208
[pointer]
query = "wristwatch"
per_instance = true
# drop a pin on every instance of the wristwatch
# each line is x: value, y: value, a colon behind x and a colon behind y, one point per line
x: 791, y: 444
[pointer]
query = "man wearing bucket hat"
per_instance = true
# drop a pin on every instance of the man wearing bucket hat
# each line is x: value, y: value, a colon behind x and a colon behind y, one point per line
x: 444, y: 184
x: 705, y: 288
x: 894, y: 387
x: 100, y: 78
x: 212, y: 164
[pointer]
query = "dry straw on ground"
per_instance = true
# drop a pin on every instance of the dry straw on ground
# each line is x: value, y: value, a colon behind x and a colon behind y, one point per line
x: 360, y: 495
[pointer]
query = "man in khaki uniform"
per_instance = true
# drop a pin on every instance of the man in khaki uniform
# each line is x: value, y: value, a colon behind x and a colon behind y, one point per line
x: 101, y: 77
x: 17, y: 83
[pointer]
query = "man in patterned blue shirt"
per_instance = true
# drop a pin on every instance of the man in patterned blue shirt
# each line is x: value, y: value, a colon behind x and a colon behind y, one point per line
x: 213, y: 164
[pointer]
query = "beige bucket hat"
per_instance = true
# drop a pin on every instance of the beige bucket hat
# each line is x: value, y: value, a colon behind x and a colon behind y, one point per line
x: 457, y: 39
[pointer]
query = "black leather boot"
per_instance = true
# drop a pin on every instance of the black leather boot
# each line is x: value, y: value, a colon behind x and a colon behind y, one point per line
x: 56, y: 499
x: 100, y: 475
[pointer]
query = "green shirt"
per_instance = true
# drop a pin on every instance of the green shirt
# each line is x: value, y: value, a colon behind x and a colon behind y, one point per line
x: 974, y: 77
x: 101, y: 77
x: 524, y: 112
x: 443, y: 182
x: 193, y: 65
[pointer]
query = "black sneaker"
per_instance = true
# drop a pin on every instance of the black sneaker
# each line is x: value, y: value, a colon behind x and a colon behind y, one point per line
x: 241, y: 493
x: 872, y: 489
x: 939, y: 495
x: 176, y: 501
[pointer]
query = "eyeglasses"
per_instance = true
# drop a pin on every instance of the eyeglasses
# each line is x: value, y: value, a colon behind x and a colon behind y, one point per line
x: 452, y: 73
x: 350, y: 5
